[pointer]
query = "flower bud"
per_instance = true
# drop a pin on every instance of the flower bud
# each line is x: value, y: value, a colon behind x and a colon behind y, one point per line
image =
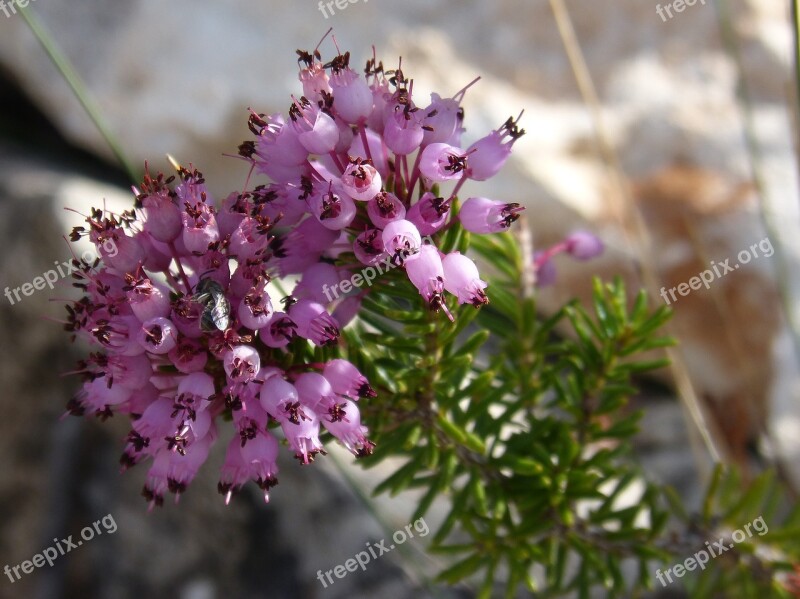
x: 584, y: 245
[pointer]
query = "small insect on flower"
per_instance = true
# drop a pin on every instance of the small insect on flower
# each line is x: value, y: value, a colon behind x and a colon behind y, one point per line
x: 216, y: 307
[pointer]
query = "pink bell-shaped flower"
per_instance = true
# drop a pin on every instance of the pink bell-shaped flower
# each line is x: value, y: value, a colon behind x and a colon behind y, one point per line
x: 314, y: 322
x: 242, y: 364
x: 384, y: 208
x: 401, y: 239
x: 347, y: 428
x: 157, y: 335
x: 345, y: 379
x: 316, y: 131
x: 441, y: 162
x: 490, y: 153
x: 482, y: 215
x: 361, y: 181
x: 461, y: 278
x: 430, y: 213
x: 425, y: 271
x: 352, y: 97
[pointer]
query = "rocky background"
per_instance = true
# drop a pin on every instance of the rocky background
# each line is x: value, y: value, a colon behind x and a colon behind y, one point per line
x: 177, y: 78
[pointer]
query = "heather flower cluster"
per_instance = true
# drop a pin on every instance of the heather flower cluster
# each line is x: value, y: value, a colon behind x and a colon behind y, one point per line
x: 190, y: 336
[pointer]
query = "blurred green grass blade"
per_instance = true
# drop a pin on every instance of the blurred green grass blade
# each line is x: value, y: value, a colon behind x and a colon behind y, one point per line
x: 64, y: 66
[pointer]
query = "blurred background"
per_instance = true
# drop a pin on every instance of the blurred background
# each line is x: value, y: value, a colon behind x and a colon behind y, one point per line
x: 670, y: 137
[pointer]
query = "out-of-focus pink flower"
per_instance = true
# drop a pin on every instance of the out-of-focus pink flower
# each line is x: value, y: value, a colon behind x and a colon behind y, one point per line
x: 314, y: 281
x: 545, y: 269
x: 584, y: 245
